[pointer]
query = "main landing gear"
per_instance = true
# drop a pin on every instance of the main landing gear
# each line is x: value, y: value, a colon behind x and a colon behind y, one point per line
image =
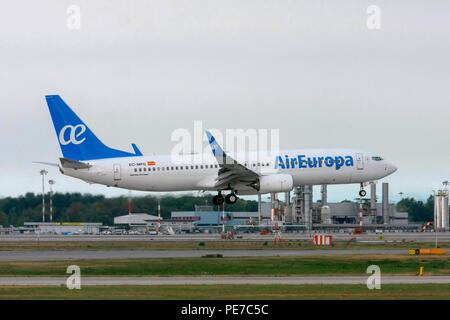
x: 229, y: 198
x: 362, y: 192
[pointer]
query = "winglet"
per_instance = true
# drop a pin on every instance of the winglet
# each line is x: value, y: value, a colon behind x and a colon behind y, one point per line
x: 216, y: 149
x: 136, y: 150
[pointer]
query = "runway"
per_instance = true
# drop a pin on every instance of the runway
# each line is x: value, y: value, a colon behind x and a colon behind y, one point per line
x: 9, y: 256
x: 103, y: 281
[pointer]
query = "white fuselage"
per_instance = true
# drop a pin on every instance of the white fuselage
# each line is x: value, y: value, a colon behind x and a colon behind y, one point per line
x: 164, y: 173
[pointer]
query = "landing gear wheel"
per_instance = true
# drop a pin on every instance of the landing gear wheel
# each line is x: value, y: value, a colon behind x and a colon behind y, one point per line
x: 231, y: 198
x: 362, y: 193
x: 218, y: 200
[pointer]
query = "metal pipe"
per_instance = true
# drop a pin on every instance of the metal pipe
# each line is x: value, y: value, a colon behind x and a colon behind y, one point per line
x: 373, y: 200
x: 275, y: 198
x: 288, y: 199
x: 324, y: 195
x: 307, y: 193
x: 51, y: 183
x: 385, y: 195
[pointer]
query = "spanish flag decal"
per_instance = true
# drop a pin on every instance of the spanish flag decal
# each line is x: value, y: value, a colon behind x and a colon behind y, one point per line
x: 151, y: 163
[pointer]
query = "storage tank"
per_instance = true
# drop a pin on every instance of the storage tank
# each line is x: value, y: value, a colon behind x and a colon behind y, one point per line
x: 441, y: 221
x: 325, y: 215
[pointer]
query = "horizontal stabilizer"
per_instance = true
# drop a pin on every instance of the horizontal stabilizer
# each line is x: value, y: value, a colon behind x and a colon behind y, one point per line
x: 47, y: 163
x: 73, y: 164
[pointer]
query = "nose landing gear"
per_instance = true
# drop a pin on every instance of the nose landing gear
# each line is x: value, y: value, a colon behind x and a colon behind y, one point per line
x: 362, y: 192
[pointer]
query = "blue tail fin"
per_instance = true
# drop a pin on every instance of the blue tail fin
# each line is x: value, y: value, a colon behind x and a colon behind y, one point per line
x: 77, y: 141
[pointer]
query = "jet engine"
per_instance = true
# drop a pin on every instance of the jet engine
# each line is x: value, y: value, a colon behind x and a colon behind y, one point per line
x: 274, y: 183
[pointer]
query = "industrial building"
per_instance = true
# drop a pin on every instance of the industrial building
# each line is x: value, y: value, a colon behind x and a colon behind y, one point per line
x: 206, y: 218
x: 140, y: 222
x: 366, y: 213
x: 302, y: 214
x: 297, y: 213
x: 62, y: 227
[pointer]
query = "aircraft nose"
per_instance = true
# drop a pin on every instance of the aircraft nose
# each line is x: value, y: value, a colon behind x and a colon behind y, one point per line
x: 391, y: 168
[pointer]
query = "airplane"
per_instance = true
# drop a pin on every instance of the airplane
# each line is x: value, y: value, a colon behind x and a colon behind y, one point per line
x: 85, y: 157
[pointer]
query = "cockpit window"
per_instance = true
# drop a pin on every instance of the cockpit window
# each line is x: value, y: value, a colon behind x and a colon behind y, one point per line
x: 377, y: 158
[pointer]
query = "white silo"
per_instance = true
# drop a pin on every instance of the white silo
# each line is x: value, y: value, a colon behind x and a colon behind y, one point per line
x: 325, y: 213
x: 441, y: 220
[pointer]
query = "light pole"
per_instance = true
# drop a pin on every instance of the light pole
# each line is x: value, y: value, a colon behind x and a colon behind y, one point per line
x: 51, y: 183
x: 159, y: 216
x: 43, y: 173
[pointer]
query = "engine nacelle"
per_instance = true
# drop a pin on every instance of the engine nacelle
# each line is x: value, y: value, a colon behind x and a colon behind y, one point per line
x: 274, y: 183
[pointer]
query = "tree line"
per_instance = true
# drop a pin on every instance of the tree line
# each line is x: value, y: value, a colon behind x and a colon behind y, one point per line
x: 77, y: 207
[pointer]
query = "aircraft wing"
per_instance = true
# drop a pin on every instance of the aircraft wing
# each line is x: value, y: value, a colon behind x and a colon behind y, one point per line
x: 231, y: 172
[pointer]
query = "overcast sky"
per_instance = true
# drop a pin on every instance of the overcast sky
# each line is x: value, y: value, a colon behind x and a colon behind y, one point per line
x: 137, y: 70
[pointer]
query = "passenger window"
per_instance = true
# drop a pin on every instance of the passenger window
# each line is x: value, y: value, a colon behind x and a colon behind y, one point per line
x: 201, y: 167
x: 135, y: 170
x: 140, y: 169
x: 176, y: 168
x: 196, y: 167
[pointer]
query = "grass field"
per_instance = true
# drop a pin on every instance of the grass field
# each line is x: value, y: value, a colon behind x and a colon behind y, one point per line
x: 278, y: 266
x: 205, y: 245
x: 397, y: 291
x: 336, y: 265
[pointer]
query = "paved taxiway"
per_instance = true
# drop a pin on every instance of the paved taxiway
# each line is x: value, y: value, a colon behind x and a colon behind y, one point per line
x: 6, y: 256
x: 102, y: 281
x: 387, y: 236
